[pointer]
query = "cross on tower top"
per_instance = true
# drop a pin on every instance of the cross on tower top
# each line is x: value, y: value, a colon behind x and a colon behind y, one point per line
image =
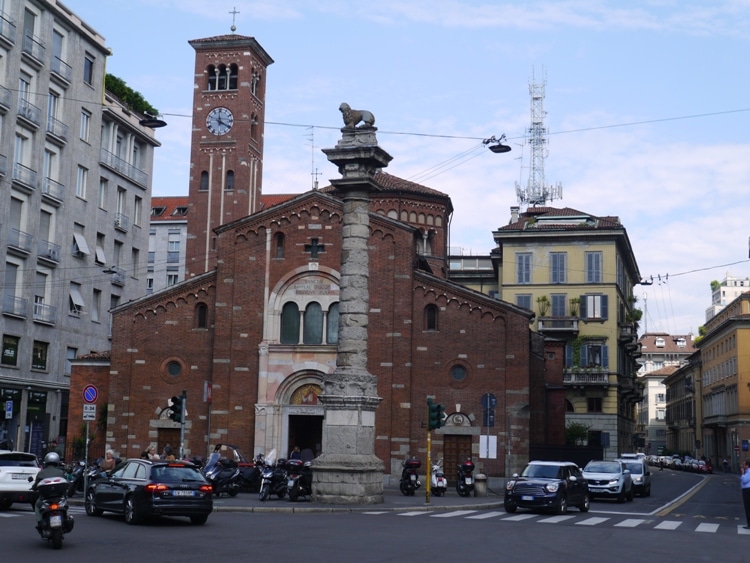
x: 234, y: 13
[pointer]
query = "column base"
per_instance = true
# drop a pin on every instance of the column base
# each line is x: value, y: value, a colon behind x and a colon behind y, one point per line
x: 348, y: 479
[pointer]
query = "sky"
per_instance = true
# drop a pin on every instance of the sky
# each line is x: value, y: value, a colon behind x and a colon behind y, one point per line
x: 646, y: 105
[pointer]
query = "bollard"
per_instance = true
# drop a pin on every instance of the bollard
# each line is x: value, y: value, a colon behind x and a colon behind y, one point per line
x: 480, y: 485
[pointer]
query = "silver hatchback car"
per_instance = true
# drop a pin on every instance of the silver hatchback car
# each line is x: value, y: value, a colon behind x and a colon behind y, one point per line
x: 640, y: 474
x: 609, y: 479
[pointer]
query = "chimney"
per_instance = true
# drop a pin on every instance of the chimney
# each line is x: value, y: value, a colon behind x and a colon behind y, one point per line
x: 514, y: 214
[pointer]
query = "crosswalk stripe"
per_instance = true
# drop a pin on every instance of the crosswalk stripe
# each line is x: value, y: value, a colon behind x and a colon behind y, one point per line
x: 668, y: 525
x: 710, y: 528
x: 742, y: 530
x: 376, y: 512
x: 485, y: 515
x: 417, y: 513
x: 592, y: 521
x: 630, y: 523
x: 556, y: 519
x: 519, y: 517
x: 454, y: 513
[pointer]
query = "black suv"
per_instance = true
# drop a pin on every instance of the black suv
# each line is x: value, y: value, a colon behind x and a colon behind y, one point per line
x: 548, y: 485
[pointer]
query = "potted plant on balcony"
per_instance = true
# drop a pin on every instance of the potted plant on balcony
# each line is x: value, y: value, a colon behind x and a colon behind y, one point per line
x: 575, y: 303
x: 543, y: 304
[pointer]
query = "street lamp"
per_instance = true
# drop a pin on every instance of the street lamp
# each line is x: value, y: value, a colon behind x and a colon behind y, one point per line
x: 496, y: 145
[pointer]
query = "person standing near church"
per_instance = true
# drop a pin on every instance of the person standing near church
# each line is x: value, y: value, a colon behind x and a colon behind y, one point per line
x: 745, y: 484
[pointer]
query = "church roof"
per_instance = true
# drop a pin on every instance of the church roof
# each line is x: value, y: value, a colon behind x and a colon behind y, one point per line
x: 221, y: 41
x: 565, y: 218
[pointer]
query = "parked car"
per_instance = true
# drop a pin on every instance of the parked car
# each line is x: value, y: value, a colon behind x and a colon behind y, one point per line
x: 705, y: 467
x: 609, y: 479
x: 146, y: 488
x: 548, y: 485
x: 640, y: 474
x: 17, y: 473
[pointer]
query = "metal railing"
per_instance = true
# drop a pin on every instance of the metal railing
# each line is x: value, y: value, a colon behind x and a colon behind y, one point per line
x: 45, y: 313
x: 17, y: 306
x: 57, y: 128
x: 123, y: 167
x: 53, y: 189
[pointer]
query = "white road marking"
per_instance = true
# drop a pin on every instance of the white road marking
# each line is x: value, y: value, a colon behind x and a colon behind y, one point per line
x: 556, y: 519
x: 417, y: 513
x: 592, y: 521
x: 629, y: 523
x: 668, y: 525
x: 519, y: 517
x: 709, y: 528
x: 485, y: 515
x: 454, y: 513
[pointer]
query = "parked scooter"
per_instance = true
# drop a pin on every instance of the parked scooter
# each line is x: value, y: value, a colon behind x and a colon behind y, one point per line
x: 438, y: 482
x: 77, y: 474
x: 56, y: 522
x: 223, y: 474
x: 299, y: 478
x: 410, y: 476
x: 465, y: 478
x: 273, y: 478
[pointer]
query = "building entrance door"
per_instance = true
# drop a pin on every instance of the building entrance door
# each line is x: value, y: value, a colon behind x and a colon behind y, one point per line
x: 306, y: 432
x: 456, y: 449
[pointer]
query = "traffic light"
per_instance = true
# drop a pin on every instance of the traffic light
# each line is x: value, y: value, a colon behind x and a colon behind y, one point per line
x: 176, y: 406
x: 440, y: 416
x: 433, y: 415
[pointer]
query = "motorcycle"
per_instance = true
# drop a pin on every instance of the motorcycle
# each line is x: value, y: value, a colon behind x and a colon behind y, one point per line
x: 465, y: 478
x: 273, y: 478
x: 223, y: 474
x: 410, y: 476
x: 56, y: 522
x: 76, y: 475
x: 438, y: 482
x: 299, y: 478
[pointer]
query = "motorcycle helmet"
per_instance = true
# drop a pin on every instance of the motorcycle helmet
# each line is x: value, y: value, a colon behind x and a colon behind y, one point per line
x: 52, y: 458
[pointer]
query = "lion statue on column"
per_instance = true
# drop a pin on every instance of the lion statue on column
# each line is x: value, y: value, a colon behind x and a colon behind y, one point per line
x: 353, y: 116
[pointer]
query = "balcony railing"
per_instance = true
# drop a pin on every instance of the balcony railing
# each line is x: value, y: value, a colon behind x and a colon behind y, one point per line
x: 15, y: 306
x: 48, y: 251
x: 627, y: 331
x: 53, y: 189
x: 4, y: 97
x: 584, y: 376
x: 33, y: 47
x: 19, y: 240
x: 122, y: 222
x: 123, y: 167
x: 117, y: 275
x: 24, y: 175
x: 558, y: 324
x: 3, y: 165
x: 57, y: 128
x: 61, y: 69
x: 45, y: 313
x: 7, y: 29
x: 29, y: 111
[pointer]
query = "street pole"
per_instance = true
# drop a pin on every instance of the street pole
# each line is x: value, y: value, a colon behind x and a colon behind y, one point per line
x: 427, y: 489
x: 86, y: 462
x: 182, y: 424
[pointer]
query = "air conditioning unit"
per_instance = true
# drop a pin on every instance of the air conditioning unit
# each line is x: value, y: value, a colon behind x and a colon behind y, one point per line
x: 53, y: 254
x: 117, y: 223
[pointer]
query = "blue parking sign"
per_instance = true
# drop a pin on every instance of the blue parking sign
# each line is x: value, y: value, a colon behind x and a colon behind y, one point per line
x: 8, y: 409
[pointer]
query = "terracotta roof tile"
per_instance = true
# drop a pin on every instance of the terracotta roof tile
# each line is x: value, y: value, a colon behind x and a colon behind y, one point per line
x: 168, y: 205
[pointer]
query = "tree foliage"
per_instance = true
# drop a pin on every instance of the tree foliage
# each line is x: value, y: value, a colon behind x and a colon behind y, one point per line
x: 134, y: 100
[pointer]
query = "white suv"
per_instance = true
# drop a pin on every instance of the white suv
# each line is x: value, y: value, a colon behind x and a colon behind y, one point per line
x: 17, y: 473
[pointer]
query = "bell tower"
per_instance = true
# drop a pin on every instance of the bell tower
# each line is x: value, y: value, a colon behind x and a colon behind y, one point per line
x: 226, y: 155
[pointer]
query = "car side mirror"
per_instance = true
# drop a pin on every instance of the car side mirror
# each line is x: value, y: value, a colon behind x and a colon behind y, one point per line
x: 626, y: 472
x: 31, y: 479
x: 573, y: 478
x: 515, y: 475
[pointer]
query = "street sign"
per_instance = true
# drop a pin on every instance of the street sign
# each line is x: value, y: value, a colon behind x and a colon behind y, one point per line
x: 8, y: 410
x: 89, y: 412
x: 90, y: 394
x: 489, y: 418
x: 489, y: 401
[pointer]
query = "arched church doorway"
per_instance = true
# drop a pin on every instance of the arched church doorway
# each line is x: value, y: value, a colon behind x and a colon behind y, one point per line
x: 304, y: 423
x: 306, y: 432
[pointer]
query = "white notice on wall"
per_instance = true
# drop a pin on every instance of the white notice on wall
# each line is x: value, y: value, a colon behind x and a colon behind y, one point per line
x: 488, y: 447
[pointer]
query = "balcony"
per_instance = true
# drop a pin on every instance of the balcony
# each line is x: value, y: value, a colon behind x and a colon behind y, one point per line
x: 20, y: 242
x: 15, y: 306
x: 57, y: 129
x: 123, y: 167
x: 582, y: 377
x: 24, y: 177
x: 34, y: 49
x: 557, y: 325
x: 122, y: 222
x: 29, y: 112
x: 7, y: 30
x: 5, y: 97
x: 53, y: 190
x: 3, y: 165
x: 49, y: 252
x: 117, y: 275
x: 61, y: 69
x: 45, y: 314
x: 627, y: 332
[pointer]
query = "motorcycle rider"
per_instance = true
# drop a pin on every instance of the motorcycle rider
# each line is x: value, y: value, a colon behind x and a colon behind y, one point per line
x: 51, y: 469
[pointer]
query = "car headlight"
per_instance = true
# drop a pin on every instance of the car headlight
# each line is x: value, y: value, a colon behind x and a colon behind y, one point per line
x: 552, y: 487
x: 509, y: 485
x: 637, y: 479
x: 614, y: 481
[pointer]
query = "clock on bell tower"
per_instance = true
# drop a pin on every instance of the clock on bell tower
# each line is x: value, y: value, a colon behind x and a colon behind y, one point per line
x: 226, y: 152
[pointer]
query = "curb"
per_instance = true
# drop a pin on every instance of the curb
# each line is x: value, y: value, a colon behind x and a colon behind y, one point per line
x: 357, y: 508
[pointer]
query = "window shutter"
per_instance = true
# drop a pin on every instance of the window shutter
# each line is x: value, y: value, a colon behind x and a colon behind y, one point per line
x: 582, y: 306
x: 605, y: 306
x: 568, y: 356
x: 605, y: 356
x: 584, y: 355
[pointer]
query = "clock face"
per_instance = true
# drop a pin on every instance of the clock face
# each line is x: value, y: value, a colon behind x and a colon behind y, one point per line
x: 219, y: 121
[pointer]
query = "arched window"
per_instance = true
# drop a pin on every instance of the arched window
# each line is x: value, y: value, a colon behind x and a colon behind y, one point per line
x: 233, y: 77
x: 313, y: 333
x: 431, y: 317
x: 254, y: 126
x: 279, y: 244
x: 290, y: 323
x: 230, y: 180
x: 204, y: 181
x: 255, y: 82
x: 211, y: 77
x: 201, y: 315
x: 221, y: 77
x: 332, y: 326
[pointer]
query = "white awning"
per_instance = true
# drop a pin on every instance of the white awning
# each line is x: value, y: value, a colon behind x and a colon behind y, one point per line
x: 81, y: 243
x: 76, y: 297
x: 100, y: 257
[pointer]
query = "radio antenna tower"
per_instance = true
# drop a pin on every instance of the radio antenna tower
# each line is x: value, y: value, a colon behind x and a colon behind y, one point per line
x: 536, y: 191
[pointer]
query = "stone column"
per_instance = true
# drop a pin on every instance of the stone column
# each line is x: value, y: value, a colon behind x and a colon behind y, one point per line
x: 348, y: 471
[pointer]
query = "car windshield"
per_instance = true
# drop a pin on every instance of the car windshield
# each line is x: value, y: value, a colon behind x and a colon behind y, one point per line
x: 603, y: 467
x: 542, y: 471
x: 635, y: 467
x: 18, y: 460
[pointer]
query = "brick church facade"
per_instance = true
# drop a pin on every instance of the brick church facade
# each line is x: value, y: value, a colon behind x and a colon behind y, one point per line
x: 250, y: 339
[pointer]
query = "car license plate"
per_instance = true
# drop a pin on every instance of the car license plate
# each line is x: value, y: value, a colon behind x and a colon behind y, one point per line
x: 527, y: 497
x: 290, y: 483
x: 55, y: 521
x: 19, y: 476
x: 468, y: 480
x: 183, y: 493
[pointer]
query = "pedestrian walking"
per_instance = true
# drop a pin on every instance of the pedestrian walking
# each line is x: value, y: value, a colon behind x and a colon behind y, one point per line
x: 745, y: 484
x: 725, y: 463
